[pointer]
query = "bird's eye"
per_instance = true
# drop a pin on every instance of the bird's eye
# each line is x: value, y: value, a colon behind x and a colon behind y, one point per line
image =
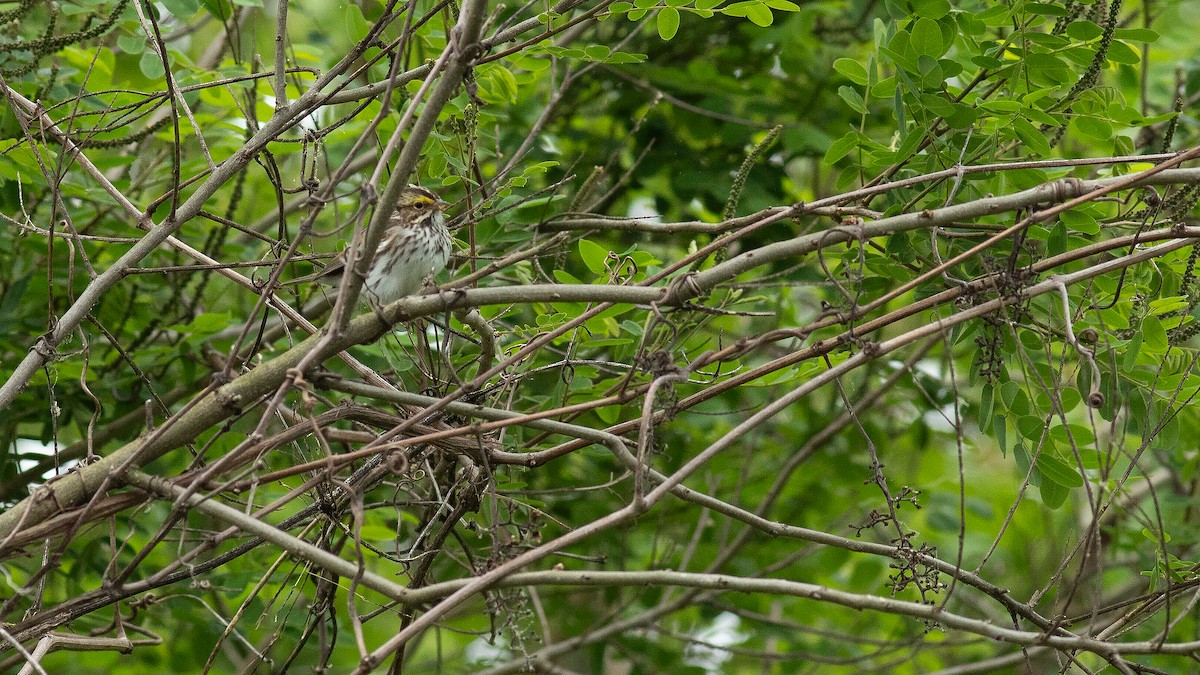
x: 419, y: 205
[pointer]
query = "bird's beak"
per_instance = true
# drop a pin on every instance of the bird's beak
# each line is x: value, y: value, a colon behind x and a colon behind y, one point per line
x: 441, y: 204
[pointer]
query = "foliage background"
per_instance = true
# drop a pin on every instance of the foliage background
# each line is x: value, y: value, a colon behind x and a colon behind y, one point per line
x: 673, y: 218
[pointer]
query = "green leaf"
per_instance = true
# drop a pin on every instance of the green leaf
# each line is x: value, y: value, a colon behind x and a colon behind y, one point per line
x: 151, y: 65
x: 932, y: 9
x: 1072, y: 435
x: 1024, y: 462
x: 565, y: 277
x: 901, y: 51
x: 1038, y: 116
x: 852, y: 99
x: 754, y: 10
x: 596, y: 52
x: 1048, y: 67
x: 841, y: 147
x: 1056, y: 243
x: 1154, y: 336
x: 926, y: 38
x: 1119, y: 52
x: 218, y: 8
x: 986, y: 406
x: 1080, y: 222
x: 11, y: 298
x: 1001, y: 106
x: 1058, y: 471
x: 205, y: 324
x: 1155, y: 537
x: 594, y: 256
x: 132, y: 44
x: 1167, y: 305
x: 1033, y: 139
x: 668, y: 22
x: 505, y: 81
x: 609, y: 414
x: 852, y: 70
x: 1083, y: 30
x: 782, y: 5
x: 1136, y: 34
x: 1132, y: 350
x: 625, y: 57
x: 1031, y: 428
x: 1053, y: 494
x: 182, y: 9
x: 760, y: 15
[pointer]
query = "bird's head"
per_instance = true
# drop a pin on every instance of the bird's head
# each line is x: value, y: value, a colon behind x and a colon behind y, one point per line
x: 417, y: 202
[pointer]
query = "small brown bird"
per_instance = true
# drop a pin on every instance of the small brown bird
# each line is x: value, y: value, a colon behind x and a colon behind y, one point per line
x: 415, y: 245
